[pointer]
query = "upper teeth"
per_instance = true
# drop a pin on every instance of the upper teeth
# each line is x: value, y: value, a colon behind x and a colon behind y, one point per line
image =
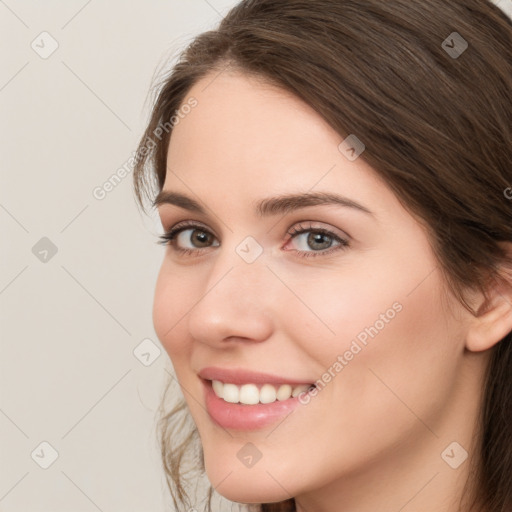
x: 250, y: 394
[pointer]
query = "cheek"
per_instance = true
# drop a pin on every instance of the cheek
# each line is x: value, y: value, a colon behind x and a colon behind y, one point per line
x: 338, y: 307
x: 173, y: 298
x: 391, y: 301
x: 396, y: 341
x: 403, y: 371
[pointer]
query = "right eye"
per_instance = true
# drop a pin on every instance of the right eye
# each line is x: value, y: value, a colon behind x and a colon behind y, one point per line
x: 188, y: 233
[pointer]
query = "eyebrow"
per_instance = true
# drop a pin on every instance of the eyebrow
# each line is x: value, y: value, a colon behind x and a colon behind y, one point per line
x: 282, y: 204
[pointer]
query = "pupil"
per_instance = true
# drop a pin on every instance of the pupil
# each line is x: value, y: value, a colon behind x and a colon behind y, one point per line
x: 317, y: 238
x: 201, y: 237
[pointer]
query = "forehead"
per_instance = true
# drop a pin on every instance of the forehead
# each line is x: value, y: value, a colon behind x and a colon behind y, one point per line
x: 242, y: 116
x: 246, y: 139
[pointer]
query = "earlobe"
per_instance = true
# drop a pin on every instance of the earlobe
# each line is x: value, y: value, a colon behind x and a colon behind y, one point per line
x: 493, y: 321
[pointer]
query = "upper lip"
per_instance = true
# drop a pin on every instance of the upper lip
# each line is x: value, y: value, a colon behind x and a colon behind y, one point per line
x: 241, y: 376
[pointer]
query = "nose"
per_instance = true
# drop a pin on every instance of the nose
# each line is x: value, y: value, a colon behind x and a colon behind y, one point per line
x: 238, y: 302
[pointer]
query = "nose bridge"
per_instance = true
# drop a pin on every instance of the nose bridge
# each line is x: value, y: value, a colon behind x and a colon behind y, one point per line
x: 240, y: 270
x: 236, y: 299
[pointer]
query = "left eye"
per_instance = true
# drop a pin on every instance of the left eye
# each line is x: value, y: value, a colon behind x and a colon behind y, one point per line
x: 314, y: 239
x: 318, y: 240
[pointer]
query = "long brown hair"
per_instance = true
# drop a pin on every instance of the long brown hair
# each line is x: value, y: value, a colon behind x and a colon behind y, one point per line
x: 437, y: 127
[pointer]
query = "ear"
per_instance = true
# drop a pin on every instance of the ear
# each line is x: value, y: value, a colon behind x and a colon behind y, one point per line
x: 494, y: 317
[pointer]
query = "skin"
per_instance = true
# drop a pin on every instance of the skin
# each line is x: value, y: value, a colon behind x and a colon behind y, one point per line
x: 372, y: 438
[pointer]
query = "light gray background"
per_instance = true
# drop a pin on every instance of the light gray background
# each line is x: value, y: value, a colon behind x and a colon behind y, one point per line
x: 69, y: 325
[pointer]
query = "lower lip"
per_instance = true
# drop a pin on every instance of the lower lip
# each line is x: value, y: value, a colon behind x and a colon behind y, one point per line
x: 243, y: 416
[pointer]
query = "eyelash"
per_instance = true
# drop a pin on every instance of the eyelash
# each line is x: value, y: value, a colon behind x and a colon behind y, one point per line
x: 169, y: 237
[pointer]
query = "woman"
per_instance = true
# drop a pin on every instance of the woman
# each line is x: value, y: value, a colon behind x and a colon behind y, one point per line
x: 336, y: 293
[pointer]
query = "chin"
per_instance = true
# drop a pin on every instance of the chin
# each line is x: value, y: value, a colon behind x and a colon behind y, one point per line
x: 241, y: 492
x: 245, y: 485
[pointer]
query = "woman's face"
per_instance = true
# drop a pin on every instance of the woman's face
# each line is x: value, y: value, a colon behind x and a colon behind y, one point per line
x: 357, y: 309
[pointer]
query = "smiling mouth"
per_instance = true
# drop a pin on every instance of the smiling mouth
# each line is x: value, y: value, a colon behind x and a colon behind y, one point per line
x: 252, y: 394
